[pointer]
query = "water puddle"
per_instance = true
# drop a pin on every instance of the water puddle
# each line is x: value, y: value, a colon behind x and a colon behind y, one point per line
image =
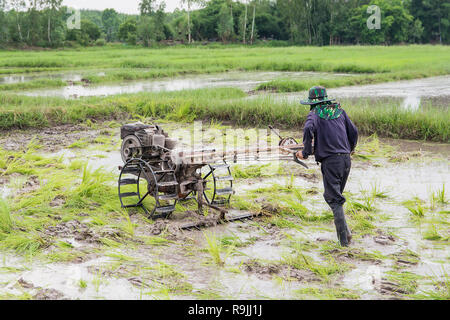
x: 411, y: 91
x: 20, y: 78
x: 256, y: 242
x: 243, y: 80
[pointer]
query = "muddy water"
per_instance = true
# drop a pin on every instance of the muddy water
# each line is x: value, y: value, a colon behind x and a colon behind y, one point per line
x: 51, y: 76
x: 411, y: 91
x: 243, y: 80
x: 401, y: 181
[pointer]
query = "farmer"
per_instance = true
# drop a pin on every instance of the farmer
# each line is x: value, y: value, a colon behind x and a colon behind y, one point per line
x: 334, y: 137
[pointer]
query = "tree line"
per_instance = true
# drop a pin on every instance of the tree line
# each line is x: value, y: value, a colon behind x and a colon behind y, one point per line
x: 43, y: 23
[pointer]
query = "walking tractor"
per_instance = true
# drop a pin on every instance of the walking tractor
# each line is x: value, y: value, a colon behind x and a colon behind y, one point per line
x: 153, y: 167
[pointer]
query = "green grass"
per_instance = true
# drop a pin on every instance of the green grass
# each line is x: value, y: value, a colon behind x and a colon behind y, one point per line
x: 322, y: 269
x: 373, y: 63
x: 326, y: 293
x: 418, y: 211
x: 214, y: 248
x: 441, y: 290
x: 5, y: 217
x: 355, y: 59
x: 387, y: 119
x: 25, y: 218
x: 288, y: 85
x: 405, y: 281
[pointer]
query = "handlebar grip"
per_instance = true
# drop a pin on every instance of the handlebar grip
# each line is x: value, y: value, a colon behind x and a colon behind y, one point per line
x: 300, y: 162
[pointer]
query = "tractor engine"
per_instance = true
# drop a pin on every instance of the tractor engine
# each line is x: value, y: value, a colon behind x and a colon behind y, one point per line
x: 144, y: 141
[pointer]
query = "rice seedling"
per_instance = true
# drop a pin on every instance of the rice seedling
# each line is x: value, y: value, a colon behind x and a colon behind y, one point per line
x: 361, y: 222
x: 10, y: 296
x: 281, y: 222
x: 155, y: 241
x: 214, y: 247
x: 432, y: 234
x: 406, y: 257
x: 63, y: 255
x: 376, y: 192
x: 441, y: 289
x: 6, y: 223
x: 82, y: 284
x: 121, y: 257
x: 438, y: 197
x: 255, y: 171
x: 367, y: 203
x: 405, y: 281
x: 418, y: 211
x: 332, y: 248
x: 23, y: 243
x: 323, y: 269
x: 326, y: 293
x: 79, y: 144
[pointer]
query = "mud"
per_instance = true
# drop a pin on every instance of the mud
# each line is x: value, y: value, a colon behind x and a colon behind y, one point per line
x: 52, y: 139
x: 253, y: 252
x: 73, y: 229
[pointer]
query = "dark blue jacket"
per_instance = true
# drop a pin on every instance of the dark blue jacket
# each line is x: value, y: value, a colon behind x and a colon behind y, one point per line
x: 330, y: 136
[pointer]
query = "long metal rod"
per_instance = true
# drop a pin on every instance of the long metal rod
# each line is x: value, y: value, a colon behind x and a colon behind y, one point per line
x: 208, y: 156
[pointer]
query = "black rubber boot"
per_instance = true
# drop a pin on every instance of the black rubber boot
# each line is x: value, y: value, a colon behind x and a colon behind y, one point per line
x: 342, y: 229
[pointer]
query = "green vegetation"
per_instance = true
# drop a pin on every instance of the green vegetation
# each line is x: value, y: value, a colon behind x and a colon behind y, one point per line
x: 287, y: 85
x: 405, y: 281
x: 121, y: 63
x: 386, y: 119
x: 323, y: 269
x: 441, y: 290
x: 215, y: 246
x: 326, y: 293
x: 44, y: 23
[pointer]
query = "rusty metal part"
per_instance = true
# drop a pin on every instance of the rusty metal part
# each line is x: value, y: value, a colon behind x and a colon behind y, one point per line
x: 171, y: 175
x: 200, y: 224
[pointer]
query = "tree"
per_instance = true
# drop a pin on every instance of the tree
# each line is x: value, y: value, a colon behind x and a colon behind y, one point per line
x: 243, y: 23
x: 252, y: 34
x: 33, y: 23
x: 416, y: 31
x: 159, y: 22
x: 145, y: 30
x: 189, y: 4
x: 225, y: 24
x: 17, y: 6
x: 110, y: 24
x: 146, y: 7
x: 91, y: 29
x: 129, y: 27
x: 3, y: 24
x: 434, y: 16
x: 51, y: 6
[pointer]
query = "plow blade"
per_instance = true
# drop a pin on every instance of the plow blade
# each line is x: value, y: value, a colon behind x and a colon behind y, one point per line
x: 201, y: 224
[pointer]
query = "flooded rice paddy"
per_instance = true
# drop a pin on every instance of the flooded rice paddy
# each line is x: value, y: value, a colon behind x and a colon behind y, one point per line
x: 22, y: 78
x: 290, y: 252
x: 243, y: 80
x: 410, y: 91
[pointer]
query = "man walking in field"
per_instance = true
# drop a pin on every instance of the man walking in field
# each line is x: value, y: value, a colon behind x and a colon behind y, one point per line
x: 335, y: 137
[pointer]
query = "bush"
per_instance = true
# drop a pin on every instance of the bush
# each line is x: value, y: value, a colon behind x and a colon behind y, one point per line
x: 100, y: 42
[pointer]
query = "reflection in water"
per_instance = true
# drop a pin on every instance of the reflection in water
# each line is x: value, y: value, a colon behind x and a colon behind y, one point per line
x: 243, y: 80
x: 411, y: 103
x: 20, y: 78
x: 410, y: 90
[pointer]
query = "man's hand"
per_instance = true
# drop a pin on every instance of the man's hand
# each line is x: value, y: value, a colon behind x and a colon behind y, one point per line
x: 299, y: 155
